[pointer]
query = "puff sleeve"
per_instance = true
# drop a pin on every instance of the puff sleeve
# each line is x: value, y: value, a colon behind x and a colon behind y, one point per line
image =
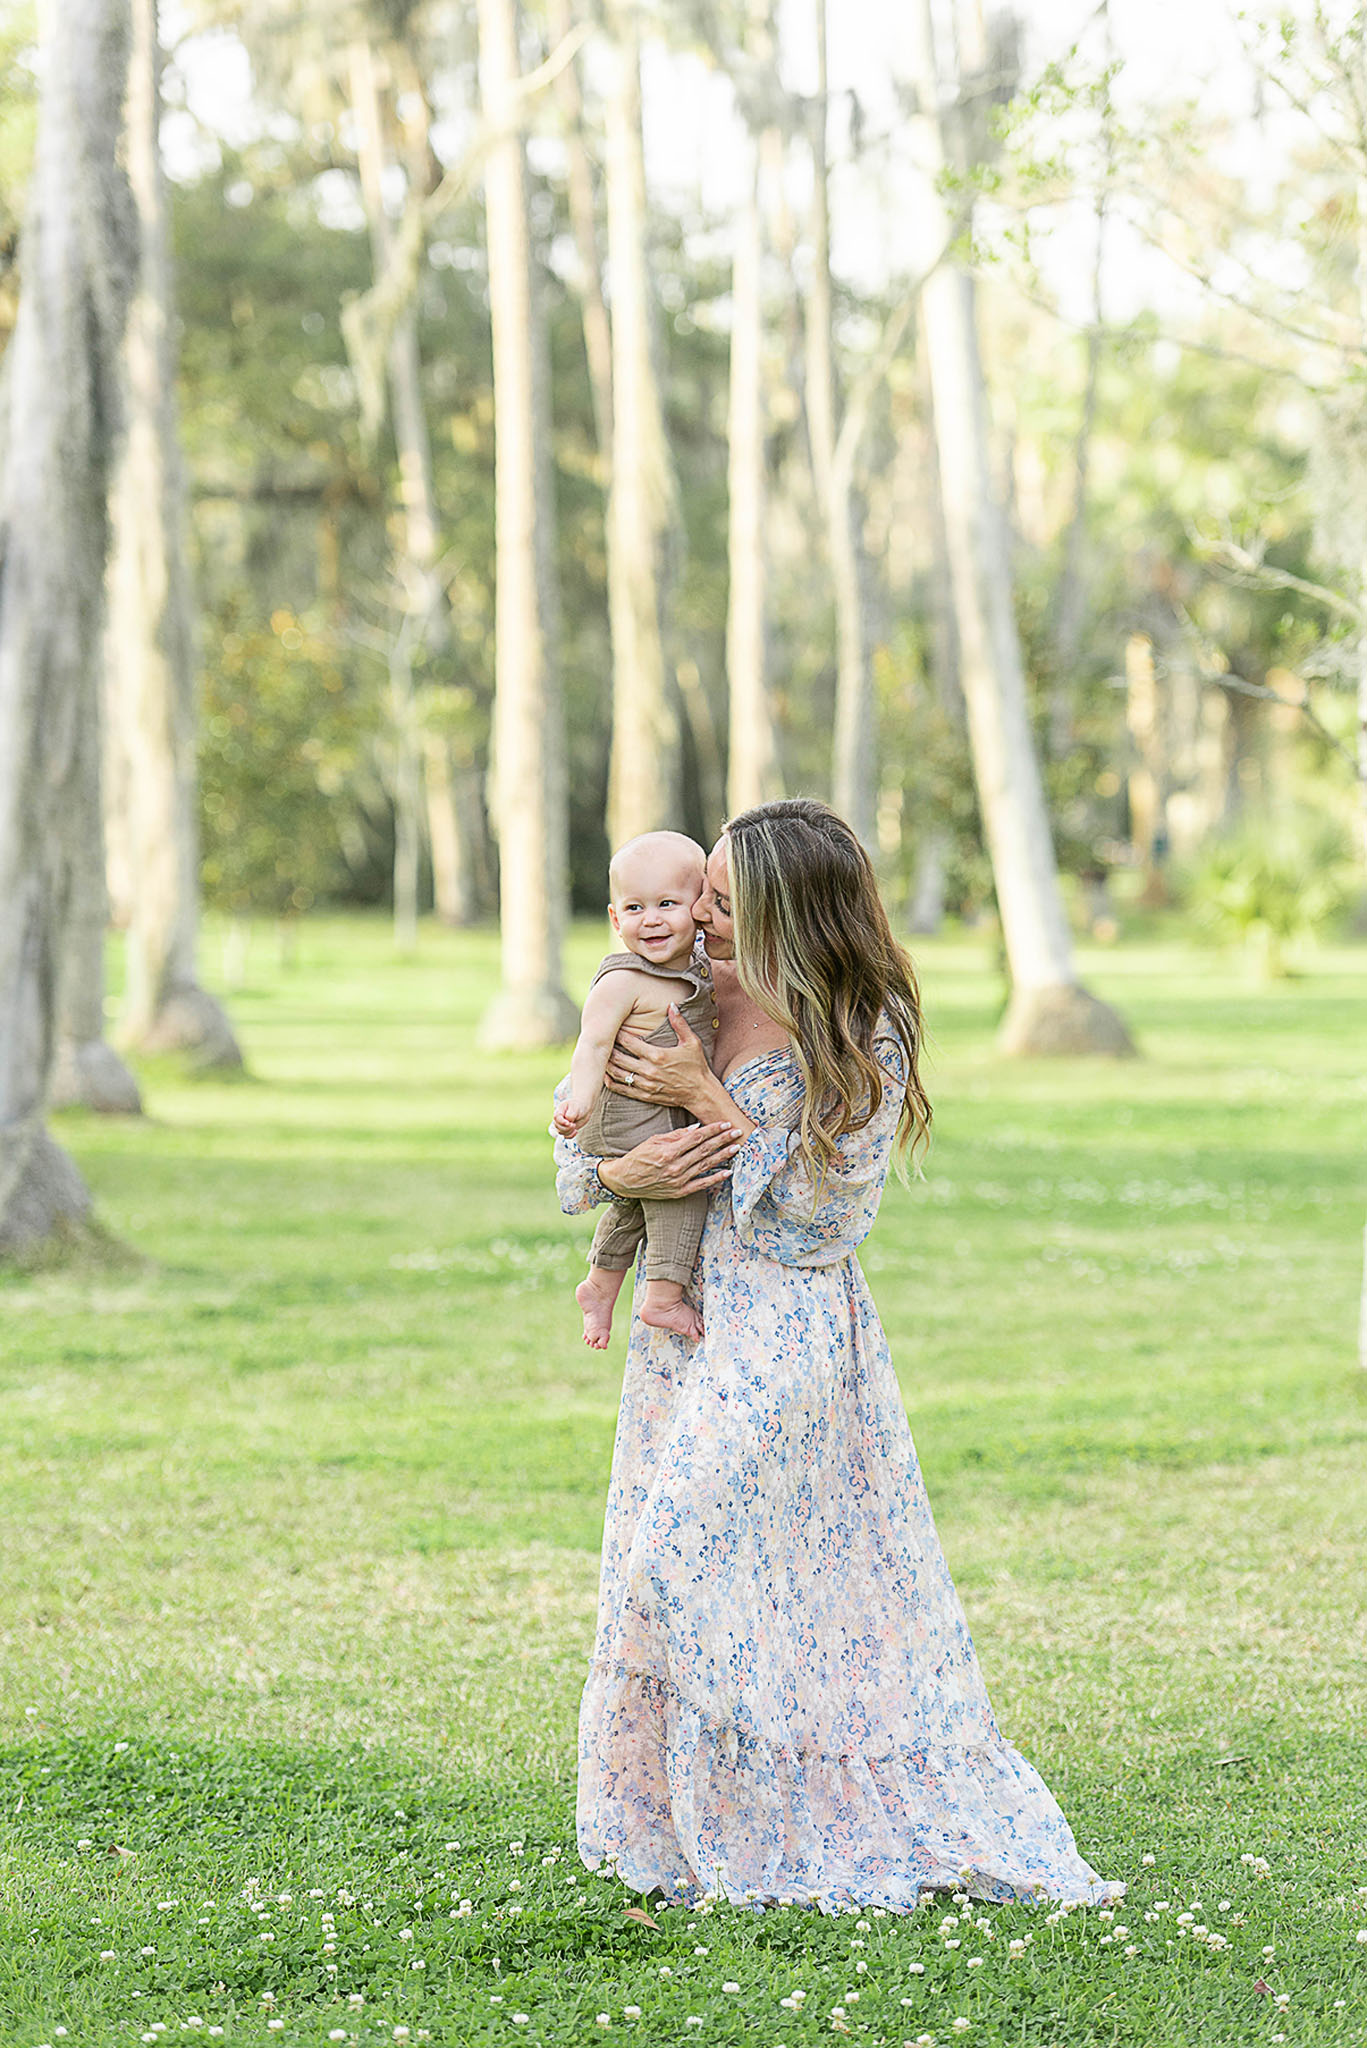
x: 577, y: 1186
x: 771, y: 1188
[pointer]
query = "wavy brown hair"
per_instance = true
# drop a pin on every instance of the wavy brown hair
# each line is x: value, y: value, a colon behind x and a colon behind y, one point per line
x: 815, y: 950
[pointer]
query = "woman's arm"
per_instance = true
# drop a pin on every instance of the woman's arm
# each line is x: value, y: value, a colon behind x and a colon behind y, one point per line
x: 677, y: 1074
x: 660, y: 1169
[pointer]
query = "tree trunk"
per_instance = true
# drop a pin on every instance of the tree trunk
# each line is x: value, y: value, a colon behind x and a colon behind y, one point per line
x: 532, y: 1008
x: 926, y: 903
x: 424, y: 627
x: 87, y: 1072
x: 643, y: 774
x: 452, y: 793
x: 853, y: 770
x: 584, y: 227
x: 1049, y: 1010
x: 150, y: 637
x: 753, y: 775
x: 63, y: 402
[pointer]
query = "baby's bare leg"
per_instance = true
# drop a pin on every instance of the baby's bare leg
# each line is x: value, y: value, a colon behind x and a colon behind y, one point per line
x: 597, y: 1297
x: 664, y: 1308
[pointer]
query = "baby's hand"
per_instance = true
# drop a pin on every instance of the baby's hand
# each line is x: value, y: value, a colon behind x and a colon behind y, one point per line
x: 568, y: 1120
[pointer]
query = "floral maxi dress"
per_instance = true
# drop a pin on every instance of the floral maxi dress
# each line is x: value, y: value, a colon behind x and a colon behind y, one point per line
x: 784, y: 1704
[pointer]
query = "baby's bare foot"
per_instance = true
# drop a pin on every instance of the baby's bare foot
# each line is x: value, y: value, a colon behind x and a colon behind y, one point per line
x: 597, y: 1308
x: 679, y: 1316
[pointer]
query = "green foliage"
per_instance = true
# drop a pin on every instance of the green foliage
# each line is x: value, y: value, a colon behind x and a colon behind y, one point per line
x: 280, y: 739
x: 1274, y: 881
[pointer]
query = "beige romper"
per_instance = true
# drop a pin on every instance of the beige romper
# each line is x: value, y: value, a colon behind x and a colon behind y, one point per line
x: 672, y: 1230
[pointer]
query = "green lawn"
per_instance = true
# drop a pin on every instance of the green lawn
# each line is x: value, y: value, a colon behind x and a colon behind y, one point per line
x: 299, y: 1520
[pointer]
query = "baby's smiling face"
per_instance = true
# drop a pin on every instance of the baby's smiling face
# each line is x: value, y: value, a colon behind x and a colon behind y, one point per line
x: 654, y: 890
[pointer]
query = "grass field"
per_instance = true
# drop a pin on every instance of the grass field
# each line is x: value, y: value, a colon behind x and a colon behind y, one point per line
x: 299, y: 1520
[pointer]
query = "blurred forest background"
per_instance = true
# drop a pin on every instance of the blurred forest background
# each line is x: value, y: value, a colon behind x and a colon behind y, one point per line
x: 548, y: 420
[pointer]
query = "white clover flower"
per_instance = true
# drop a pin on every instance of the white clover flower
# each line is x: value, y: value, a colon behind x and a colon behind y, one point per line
x: 1148, y: 1859
x: 495, y: 1998
x: 950, y: 1920
x: 665, y: 1970
x: 109, y: 1955
x: 356, y: 1999
x: 1186, y: 1919
x: 631, y: 2012
x: 417, y: 1964
x: 405, y: 1934
x: 925, y: 2041
x: 514, y: 1884
x: 916, y: 1969
x: 700, y: 1951
x: 692, y: 2020
x: 1132, y: 1948
x: 975, y: 1962
x: 1361, y: 1936
x: 336, y: 2033
x: 730, y: 1987
x: 861, y: 1967
x: 953, y: 1944
x: 1016, y: 1947
x: 275, y: 2026
x: 862, y: 1927
x: 960, y: 2025
x: 837, y: 2012
x: 400, y: 2033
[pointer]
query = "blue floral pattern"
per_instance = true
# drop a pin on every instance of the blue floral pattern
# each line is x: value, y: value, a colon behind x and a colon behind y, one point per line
x: 784, y: 1703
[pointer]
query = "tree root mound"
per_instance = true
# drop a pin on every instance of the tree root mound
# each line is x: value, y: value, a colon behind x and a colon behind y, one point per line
x: 1063, y: 1022
x: 190, y: 1020
x: 528, y: 1020
x: 92, y: 1076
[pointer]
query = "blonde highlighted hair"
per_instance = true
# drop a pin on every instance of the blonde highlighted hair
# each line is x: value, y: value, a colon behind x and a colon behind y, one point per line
x: 815, y: 950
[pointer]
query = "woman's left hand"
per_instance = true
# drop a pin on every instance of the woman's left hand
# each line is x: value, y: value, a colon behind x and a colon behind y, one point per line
x: 674, y: 1074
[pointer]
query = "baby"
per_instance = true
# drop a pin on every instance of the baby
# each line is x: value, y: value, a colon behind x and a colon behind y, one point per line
x: 654, y: 882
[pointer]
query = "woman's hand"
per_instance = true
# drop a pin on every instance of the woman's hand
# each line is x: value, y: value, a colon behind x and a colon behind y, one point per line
x: 676, y: 1074
x: 675, y: 1163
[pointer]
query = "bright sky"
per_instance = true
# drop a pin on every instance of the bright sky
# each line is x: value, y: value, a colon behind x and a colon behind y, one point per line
x: 1169, y: 49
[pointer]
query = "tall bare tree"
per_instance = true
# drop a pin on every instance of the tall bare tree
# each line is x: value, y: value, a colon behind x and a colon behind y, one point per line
x: 853, y: 772
x: 1049, y: 1009
x: 532, y: 1007
x: 579, y: 190
x: 643, y: 776
x: 753, y: 771
x: 150, y: 652
x: 422, y: 626
x: 63, y: 410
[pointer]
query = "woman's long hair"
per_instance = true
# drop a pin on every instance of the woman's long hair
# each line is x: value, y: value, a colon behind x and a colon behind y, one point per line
x: 815, y: 950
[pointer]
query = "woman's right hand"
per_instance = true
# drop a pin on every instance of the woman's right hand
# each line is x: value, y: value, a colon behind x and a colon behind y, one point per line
x: 676, y: 1163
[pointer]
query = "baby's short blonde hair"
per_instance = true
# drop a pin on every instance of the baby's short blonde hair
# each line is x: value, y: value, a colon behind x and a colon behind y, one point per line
x: 659, y: 846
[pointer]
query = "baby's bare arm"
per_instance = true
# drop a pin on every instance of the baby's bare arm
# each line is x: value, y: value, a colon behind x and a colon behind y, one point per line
x: 606, y: 1008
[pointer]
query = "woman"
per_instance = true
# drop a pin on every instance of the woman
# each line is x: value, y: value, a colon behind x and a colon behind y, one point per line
x: 784, y: 1703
